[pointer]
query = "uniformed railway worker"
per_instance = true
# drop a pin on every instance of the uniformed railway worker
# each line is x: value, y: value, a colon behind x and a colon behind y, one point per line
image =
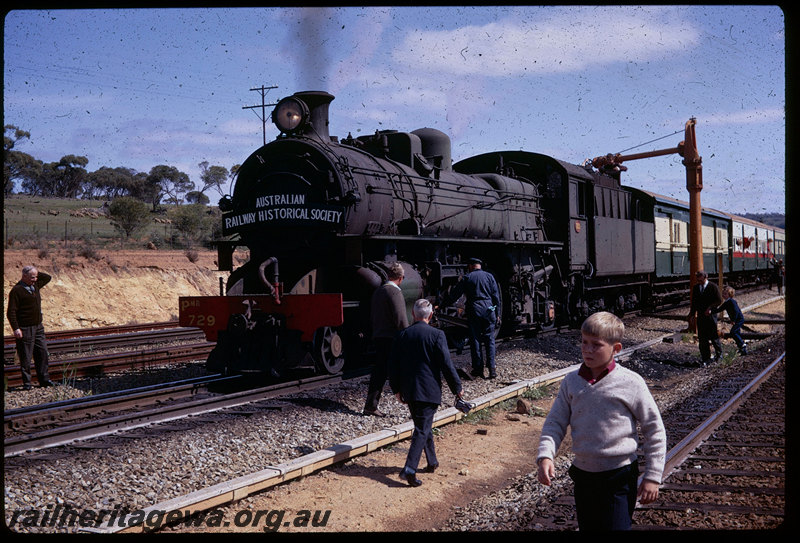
x: 483, y: 310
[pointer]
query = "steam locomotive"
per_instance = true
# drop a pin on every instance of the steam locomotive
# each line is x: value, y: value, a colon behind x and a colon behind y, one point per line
x: 323, y: 219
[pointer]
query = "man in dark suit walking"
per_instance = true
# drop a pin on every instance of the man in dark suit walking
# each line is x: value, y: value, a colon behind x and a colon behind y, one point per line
x: 418, y: 361
x: 706, y: 296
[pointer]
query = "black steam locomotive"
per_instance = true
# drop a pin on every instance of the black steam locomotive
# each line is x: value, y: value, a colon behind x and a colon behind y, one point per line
x: 323, y: 219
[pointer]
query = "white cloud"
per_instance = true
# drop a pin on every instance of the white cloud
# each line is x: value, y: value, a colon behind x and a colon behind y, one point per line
x: 590, y: 37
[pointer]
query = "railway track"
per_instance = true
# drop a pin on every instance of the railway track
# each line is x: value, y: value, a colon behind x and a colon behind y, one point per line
x: 101, y: 331
x: 297, y: 467
x: 61, y: 346
x: 732, y: 466
x: 25, y: 419
x: 84, y: 366
x: 161, y: 404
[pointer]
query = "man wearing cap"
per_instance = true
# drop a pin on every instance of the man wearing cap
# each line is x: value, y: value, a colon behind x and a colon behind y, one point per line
x: 483, y: 313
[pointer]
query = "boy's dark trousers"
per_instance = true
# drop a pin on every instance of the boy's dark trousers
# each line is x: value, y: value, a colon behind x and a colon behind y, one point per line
x: 736, y: 334
x: 605, y: 500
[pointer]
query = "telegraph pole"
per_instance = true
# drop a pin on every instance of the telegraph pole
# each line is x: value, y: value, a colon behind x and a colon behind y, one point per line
x: 263, y: 90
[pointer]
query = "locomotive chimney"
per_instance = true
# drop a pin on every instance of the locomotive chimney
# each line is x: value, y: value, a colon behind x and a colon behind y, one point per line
x: 317, y: 102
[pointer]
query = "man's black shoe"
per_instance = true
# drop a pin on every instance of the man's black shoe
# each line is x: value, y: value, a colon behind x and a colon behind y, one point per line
x: 411, y: 478
x: 48, y: 383
x: 430, y: 468
x: 27, y: 387
x: 492, y: 375
x: 477, y: 373
x: 376, y: 413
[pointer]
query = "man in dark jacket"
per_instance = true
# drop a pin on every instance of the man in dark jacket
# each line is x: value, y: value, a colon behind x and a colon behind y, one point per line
x: 25, y: 316
x: 483, y: 310
x: 388, y: 313
x: 705, y: 297
x: 418, y: 360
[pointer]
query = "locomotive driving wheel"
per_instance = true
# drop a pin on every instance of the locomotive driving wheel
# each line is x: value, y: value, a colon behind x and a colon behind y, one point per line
x: 329, y: 350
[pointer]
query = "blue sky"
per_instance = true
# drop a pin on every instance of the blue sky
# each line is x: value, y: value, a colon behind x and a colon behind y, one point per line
x: 143, y: 87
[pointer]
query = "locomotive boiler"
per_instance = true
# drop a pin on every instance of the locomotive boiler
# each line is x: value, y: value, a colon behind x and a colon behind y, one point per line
x: 324, y: 218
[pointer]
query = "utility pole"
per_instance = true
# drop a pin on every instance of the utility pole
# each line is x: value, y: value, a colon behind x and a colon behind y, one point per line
x: 263, y: 90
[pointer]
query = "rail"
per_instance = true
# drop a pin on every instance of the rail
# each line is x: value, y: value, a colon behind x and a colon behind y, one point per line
x: 98, y: 364
x: 137, y: 419
x: 681, y: 451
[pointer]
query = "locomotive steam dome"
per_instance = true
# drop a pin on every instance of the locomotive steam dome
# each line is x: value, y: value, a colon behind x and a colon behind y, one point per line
x: 435, y: 143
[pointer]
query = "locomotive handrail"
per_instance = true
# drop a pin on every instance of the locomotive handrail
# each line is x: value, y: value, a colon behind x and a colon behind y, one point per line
x: 443, y: 184
x: 272, y: 290
x: 479, y: 205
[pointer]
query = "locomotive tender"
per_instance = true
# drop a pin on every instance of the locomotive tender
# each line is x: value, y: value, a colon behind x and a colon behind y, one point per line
x: 323, y: 219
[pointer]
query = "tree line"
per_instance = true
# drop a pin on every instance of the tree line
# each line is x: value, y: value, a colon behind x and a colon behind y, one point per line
x: 132, y: 196
x: 68, y: 178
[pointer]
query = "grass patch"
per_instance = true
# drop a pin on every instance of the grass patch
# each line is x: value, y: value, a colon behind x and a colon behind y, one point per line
x: 533, y: 394
x: 32, y: 222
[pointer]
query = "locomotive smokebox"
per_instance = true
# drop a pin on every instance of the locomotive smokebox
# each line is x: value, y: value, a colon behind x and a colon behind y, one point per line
x: 304, y: 114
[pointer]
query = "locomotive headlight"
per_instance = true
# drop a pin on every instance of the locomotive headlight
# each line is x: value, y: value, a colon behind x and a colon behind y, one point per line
x: 290, y: 114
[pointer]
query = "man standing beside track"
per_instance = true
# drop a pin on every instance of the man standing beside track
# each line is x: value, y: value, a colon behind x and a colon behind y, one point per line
x: 388, y: 312
x: 483, y: 310
x: 25, y: 316
x: 705, y: 297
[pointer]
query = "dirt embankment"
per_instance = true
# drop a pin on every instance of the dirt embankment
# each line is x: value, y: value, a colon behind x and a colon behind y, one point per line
x: 113, y: 287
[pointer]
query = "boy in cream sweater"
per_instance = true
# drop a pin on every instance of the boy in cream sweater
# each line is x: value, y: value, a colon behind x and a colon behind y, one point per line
x: 602, y: 403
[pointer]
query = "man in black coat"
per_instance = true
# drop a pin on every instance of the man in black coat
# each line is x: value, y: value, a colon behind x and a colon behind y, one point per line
x: 418, y: 361
x: 706, y: 296
x: 25, y: 316
x: 483, y: 310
